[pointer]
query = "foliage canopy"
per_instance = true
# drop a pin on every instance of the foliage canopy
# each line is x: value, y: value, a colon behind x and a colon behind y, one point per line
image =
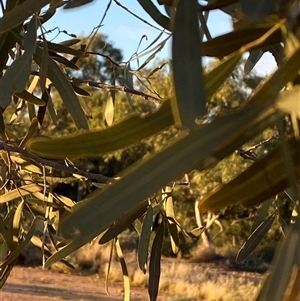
x: 32, y: 67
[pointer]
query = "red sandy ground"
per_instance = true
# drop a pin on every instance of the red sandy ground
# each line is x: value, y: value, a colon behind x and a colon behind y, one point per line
x: 36, y: 284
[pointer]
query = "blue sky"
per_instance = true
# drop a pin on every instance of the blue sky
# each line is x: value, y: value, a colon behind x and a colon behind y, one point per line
x: 125, y: 31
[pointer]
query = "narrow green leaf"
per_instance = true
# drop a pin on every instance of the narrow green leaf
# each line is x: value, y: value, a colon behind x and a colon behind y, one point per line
x: 16, y: 226
x: 129, y: 131
x: 288, y: 101
x: 265, y: 178
x: 20, y: 13
x: 64, y: 88
x: 269, y: 91
x: 143, y: 246
x: 30, y: 132
x: 286, y: 258
x: 187, y: 69
x: 20, y: 69
x: 30, y: 98
x: 21, y: 191
x: 61, y: 48
x: 20, y: 247
x: 76, y: 3
x: 228, y: 43
x: 70, y: 42
x: 215, y: 78
x: 80, y: 91
x: 155, y: 263
x: 124, y: 271
x: 155, y: 14
x: 125, y: 221
x: 222, y: 136
x: 261, y: 214
x: 252, y: 60
x: 62, y: 60
x: 7, y: 235
x: 109, y: 111
x: 255, y: 238
x: 172, y: 226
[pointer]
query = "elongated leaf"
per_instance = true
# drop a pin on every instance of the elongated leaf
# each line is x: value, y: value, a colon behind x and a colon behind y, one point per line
x: 16, y: 229
x: 286, y: 258
x: 130, y: 131
x: 20, y: 69
x: 261, y: 214
x: 6, y: 235
x: 13, y: 255
x: 76, y: 3
x: 64, y: 88
x: 31, y: 132
x: 155, y: 14
x: 252, y: 60
x: 186, y: 61
x: 62, y: 48
x: 109, y: 111
x: 172, y: 226
x: 125, y: 221
x: 21, y: 191
x: 30, y: 98
x: 268, y: 92
x: 143, y: 247
x: 155, y: 262
x: 99, y: 209
x: 265, y: 178
x: 226, y: 44
x: 20, y: 13
x: 289, y: 101
x: 255, y: 238
x: 215, y: 78
x: 124, y: 271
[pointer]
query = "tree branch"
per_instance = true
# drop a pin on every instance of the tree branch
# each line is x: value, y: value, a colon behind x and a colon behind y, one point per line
x: 54, y: 164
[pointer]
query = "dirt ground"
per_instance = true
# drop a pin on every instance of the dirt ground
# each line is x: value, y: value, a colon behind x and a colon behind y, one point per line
x: 36, y: 284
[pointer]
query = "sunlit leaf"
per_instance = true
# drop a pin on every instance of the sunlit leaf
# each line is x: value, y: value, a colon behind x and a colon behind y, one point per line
x: 222, y: 136
x: 124, y: 271
x: 255, y: 238
x: 265, y: 178
x: 215, y: 78
x: 186, y: 61
x: 109, y: 111
x: 16, y: 226
x: 30, y: 132
x: 155, y: 262
x: 228, y: 43
x: 131, y: 130
x: 289, y: 101
x: 21, y: 191
x: 13, y: 255
x: 143, y: 246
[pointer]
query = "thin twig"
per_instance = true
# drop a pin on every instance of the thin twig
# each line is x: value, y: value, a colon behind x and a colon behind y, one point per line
x: 54, y: 164
x: 99, y: 85
x: 117, y: 88
x: 105, y: 56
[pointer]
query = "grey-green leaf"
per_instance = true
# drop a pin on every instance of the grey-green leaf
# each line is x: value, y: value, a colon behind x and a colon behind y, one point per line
x: 20, y: 69
x: 255, y: 238
x: 145, y: 238
x: 155, y: 263
x: 187, y: 69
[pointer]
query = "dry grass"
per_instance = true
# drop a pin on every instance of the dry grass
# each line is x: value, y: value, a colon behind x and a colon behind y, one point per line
x: 181, y: 280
